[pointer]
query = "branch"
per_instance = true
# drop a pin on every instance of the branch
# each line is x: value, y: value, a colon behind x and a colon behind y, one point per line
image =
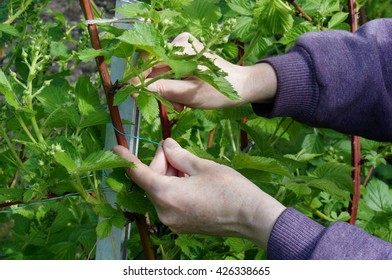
x: 355, y: 140
x: 301, y: 12
x: 114, y: 113
x: 104, y: 74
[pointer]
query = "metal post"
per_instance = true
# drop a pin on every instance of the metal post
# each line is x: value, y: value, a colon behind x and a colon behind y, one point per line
x: 114, y: 246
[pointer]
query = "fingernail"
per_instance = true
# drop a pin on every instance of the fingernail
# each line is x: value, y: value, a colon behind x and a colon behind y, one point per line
x: 170, y: 143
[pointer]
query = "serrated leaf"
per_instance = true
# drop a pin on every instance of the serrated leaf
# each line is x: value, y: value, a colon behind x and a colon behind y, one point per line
x: 270, y: 165
x: 186, y: 122
x: 292, y: 35
x: 244, y: 29
x: 274, y: 17
x: 8, y: 92
x: 135, y: 201
x: 87, y: 96
x: 378, y: 196
x: 59, y: 50
x: 9, y: 30
x: 188, y: 245
x: 104, y: 228
x: 96, y: 118
x: 328, y: 186
x: 133, y: 10
x: 182, y: 68
x: 337, y: 19
x: 338, y: 173
x: 38, y: 147
x: 219, y: 83
x: 313, y: 144
x: 243, y: 7
x: 10, y: 194
x: 148, y: 107
x: 203, y: 12
x: 145, y: 37
x: 238, y: 245
x: 298, y: 189
x: 65, y: 160
x: 90, y: 54
x: 102, y: 160
x: 122, y: 94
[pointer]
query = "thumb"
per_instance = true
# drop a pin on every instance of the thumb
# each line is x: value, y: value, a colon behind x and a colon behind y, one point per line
x: 141, y: 174
x: 181, y: 159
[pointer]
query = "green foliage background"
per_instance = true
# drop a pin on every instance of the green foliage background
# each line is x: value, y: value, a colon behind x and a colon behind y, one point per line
x: 53, y: 126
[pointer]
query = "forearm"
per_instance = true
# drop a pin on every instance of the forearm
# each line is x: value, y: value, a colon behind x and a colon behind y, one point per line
x: 339, y: 80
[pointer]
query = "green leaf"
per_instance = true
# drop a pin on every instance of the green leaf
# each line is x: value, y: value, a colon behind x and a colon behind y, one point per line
x: 102, y: 160
x: 145, y: 37
x: 182, y: 68
x: 270, y: 165
x: 328, y: 7
x: 292, y: 35
x: 244, y: 29
x: 337, y: 19
x: 90, y: 54
x: 148, y: 107
x: 9, y: 30
x: 59, y: 50
x: 135, y: 201
x: 10, y: 194
x: 378, y: 196
x: 96, y: 118
x: 202, y: 13
x: 242, y: 7
x: 338, y: 173
x: 104, y: 228
x: 87, y: 96
x: 8, y: 92
x: 275, y: 17
x: 219, y: 83
x: 298, y: 189
x: 122, y: 94
x: 188, y: 245
x: 65, y: 160
x: 133, y: 10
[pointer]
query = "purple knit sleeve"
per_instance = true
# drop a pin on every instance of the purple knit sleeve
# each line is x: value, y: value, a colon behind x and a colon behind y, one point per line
x: 339, y: 80
x: 295, y: 237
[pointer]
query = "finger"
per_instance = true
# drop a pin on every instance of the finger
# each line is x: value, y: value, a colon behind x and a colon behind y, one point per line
x: 159, y: 163
x: 181, y: 159
x: 141, y: 174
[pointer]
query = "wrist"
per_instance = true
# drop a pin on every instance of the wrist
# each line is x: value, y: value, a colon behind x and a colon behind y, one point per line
x: 260, y: 218
x: 259, y: 85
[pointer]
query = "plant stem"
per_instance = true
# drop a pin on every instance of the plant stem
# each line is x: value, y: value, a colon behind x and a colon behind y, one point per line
x: 355, y: 140
x: 12, y: 149
x: 252, y: 45
x: 301, y: 12
x: 283, y: 132
x: 24, y: 127
x: 23, y: 7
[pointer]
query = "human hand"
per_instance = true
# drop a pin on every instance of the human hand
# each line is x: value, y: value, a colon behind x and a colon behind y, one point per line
x: 194, y: 195
x: 255, y: 83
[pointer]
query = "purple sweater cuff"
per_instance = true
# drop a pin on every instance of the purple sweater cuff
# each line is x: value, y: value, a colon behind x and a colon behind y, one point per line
x: 294, y: 237
x: 297, y: 94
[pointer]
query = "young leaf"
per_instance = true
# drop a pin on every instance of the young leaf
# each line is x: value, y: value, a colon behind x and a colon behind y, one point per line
x: 122, y: 94
x: 6, y: 89
x: 337, y: 19
x: 148, y: 107
x: 66, y: 161
x: 133, y: 10
x: 9, y: 30
x: 102, y: 160
x: 87, y: 96
x: 145, y: 37
x: 243, y: 7
x: 274, y: 17
x: 244, y: 161
x: 104, y: 228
